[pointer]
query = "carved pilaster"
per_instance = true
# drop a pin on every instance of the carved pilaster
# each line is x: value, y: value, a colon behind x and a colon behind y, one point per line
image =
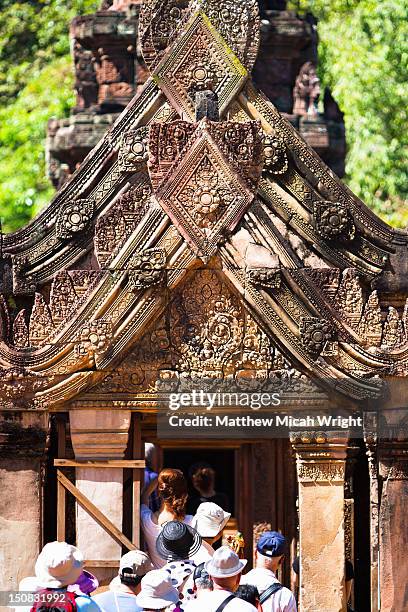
x: 371, y: 439
x: 392, y: 515
x: 321, y: 463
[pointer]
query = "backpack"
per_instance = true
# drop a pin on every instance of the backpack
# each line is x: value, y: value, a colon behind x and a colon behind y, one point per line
x: 49, y: 601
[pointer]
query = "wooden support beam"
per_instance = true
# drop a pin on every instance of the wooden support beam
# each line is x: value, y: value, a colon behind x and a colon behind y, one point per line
x: 110, y: 463
x: 95, y: 513
x: 61, y: 493
x: 101, y: 563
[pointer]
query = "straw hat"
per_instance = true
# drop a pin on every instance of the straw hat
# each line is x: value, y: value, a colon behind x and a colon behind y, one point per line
x: 58, y: 564
x: 225, y: 563
x: 157, y: 591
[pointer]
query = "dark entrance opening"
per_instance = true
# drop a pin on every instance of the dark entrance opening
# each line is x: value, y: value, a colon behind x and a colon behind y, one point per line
x: 222, y: 461
x: 361, y: 481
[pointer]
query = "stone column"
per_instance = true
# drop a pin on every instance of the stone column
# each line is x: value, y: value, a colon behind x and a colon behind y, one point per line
x: 320, y: 462
x: 393, y: 520
x: 370, y: 439
x: 99, y: 435
x: 23, y: 438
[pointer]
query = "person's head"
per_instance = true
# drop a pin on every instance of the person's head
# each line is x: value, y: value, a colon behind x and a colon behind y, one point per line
x: 202, y: 580
x: 152, y: 456
x: 249, y: 593
x: 270, y: 550
x: 157, y: 592
x: 172, y: 488
x: 210, y: 520
x: 178, y: 541
x: 58, y: 565
x: 133, y: 566
x: 203, y: 479
x: 225, y: 568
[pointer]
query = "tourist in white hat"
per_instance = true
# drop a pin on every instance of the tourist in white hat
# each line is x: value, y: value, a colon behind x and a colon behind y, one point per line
x: 121, y: 597
x: 59, y: 565
x: 225, y: 569
x: 209, y: 520
x: 157, y: 592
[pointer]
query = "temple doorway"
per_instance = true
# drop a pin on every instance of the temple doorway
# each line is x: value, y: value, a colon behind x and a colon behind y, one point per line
x: 221, y: 460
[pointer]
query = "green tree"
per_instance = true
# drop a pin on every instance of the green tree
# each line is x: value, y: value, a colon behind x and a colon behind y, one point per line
x: 36, y: 83
x: 363, y: 59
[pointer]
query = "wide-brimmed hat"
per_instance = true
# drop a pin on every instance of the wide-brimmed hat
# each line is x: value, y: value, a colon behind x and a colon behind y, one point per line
x: 58, y: 564
x: 225, y: 563
x: 210, y: 519
x: 178, y: 541
x: 134, y: 563
x: 86, y: 583
x: 157, y: 591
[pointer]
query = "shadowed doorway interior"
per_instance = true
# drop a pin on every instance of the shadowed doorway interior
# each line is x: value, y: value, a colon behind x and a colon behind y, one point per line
x: 222, y: 461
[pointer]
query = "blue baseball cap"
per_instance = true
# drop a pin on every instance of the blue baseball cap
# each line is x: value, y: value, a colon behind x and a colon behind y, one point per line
x: 271, y: 544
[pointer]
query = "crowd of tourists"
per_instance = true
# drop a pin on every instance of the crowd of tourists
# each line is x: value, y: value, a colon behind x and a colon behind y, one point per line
x: 185, y: 566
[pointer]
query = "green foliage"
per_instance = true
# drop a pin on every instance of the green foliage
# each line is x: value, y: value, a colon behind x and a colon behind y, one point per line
x: 36, y: 82
x: 364, y: 60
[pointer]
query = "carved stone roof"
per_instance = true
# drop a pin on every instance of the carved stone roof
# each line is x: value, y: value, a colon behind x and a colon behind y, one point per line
x: 162, y: 195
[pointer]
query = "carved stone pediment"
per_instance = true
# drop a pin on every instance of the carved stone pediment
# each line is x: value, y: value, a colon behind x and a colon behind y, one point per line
x: 162, y: 21
x: 204, y: 176
x: 200, y: 59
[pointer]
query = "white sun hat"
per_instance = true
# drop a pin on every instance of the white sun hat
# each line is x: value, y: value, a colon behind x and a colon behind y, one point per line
x: 225, y: 563
x: 210, y: 519
x: 157, y: 591
x: 58, y: 565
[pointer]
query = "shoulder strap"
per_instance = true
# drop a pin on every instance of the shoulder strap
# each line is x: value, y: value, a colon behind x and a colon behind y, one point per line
x: 225, y: 603
x: 274, y: 588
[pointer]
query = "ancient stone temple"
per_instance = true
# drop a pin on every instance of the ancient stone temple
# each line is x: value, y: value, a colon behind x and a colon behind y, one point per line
x: 204, y: 241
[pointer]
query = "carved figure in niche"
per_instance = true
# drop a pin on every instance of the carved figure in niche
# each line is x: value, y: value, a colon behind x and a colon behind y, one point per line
x: 86, y: 86
x: 306, y: 91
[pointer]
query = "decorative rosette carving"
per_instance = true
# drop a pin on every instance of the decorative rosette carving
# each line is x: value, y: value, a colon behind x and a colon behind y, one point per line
x: 315, y: 333
x: 133, y: 150
x: 74, y: 217
x: 276, y: 158
x: 94, y: 337
x: 332, y: 220
x: 147, y: 269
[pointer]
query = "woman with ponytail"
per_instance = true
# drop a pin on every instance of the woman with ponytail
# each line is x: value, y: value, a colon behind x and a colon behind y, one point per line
x: 172, y: 489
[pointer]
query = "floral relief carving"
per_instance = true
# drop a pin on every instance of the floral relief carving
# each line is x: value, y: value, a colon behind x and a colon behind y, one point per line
x: 324, y: 471
x: 315, y: 333
x: 199, y: 60
x: 147, y: 269
x: 133, y: 154
x: 204, y: 176
x: 276, y: 158
x: 74, y: 218
x: 94, y: 337
x: 332, y: 220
